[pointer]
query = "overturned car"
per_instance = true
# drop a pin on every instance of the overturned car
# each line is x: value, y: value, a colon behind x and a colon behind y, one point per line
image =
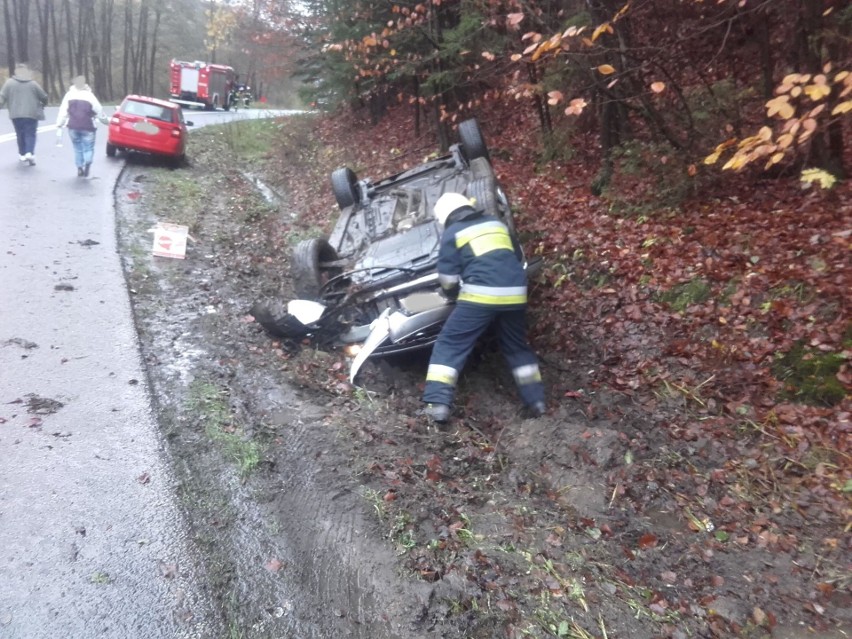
x: 371, y: 286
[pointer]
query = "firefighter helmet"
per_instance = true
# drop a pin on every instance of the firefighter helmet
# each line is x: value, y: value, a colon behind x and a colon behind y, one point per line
x: 447, y: 204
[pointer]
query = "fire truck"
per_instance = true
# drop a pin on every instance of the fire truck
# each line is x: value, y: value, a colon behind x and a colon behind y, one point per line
x: 200, y: 84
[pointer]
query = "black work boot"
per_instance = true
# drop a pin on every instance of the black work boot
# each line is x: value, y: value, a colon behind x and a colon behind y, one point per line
x: 536, y: 409
x: 438, y: 413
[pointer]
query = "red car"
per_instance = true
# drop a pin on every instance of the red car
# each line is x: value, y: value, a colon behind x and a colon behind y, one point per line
x: 148, y: 125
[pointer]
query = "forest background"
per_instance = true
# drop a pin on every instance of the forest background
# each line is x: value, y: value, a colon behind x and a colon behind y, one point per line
x: 681, y: 165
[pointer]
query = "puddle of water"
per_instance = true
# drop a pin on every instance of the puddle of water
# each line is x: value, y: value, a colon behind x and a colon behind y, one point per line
x: 266, y: 191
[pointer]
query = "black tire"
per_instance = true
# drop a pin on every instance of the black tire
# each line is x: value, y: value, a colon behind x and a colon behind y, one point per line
x: 311, y: 268
x: 111, y: 150
x: 481, y: 168
x: 484, y: 192
x: 344, y: 184
x: 473, y: 144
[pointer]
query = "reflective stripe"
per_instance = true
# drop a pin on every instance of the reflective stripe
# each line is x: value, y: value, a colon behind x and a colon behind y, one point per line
x: 442, y: 374
x: 493, y: 300
x: 493, y: 295
x: 485, y: 237
x: 527, y: 374
x: 448, y: 281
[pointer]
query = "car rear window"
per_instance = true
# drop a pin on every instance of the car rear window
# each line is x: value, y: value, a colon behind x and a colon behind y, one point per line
x: 148, y: 110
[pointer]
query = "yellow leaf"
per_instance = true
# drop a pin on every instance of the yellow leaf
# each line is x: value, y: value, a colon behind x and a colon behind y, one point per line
x: 516, y: 56
x: 488, y: 55
x: 841, y: 76
x: 780, y: 105
x: 737, y: 162
x: 621, y: 12
x: 843, y: 107
x: 658, y: 87
x: 576, y: 106
x: 514, y: 19
x: 785, y: 140
x: 826, y: 180
x: 817, y: 91
x: 604, y: 28
x: 776, y: 158
x: 606, y: 69
x: 712, y: 158
x: 792, y: 78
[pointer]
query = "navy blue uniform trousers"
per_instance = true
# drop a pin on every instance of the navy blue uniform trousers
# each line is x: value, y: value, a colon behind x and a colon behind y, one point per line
x: 458, y: 337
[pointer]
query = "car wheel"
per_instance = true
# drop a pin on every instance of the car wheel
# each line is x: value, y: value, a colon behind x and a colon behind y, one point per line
x: 311, y: 269
x: 111, y: 150
x: 481, y: 168
x: 473, y: 144
x: 344, y: 184
x: 484, y: 191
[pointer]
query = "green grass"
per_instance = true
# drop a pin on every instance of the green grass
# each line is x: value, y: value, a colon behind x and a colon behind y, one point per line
x: 210, y: 403
x: 683, y: 295
x: 810, y: 375
x: 251, y: 139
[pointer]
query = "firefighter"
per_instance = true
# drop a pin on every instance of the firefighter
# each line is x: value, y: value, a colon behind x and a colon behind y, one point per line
x: 480, y: 265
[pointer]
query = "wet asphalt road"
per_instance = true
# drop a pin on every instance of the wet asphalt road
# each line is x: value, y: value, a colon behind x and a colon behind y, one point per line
x: 92, y: 542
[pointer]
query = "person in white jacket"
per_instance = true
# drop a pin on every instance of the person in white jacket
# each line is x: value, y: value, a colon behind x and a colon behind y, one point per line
x: 78, y: 112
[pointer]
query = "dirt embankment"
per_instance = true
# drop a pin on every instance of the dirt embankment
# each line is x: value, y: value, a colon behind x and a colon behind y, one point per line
x: 332, y: 511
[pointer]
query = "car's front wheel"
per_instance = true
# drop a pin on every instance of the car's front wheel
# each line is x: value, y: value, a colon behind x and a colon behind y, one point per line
x: 344, y: 184
x: 313, y: 265
x: 111, y: 150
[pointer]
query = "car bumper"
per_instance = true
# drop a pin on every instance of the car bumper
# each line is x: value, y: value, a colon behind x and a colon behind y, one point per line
x: 134, y: 141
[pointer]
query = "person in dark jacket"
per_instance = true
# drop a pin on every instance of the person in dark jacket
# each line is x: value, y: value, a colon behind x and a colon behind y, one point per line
x: 78, y: 112
x: 480, y: 265
x: 25, y: 100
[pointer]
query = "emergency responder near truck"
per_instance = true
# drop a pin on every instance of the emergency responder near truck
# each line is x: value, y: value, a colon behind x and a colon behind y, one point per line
x: 480, y: 266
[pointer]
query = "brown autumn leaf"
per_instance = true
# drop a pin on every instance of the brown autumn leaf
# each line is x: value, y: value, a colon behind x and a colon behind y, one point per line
x: 648, y: 540
x: 606, y: 69
x: 658, y: 87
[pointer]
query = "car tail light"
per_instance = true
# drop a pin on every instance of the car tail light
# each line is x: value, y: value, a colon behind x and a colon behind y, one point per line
x: 115, y: 120
x: 175, y: 133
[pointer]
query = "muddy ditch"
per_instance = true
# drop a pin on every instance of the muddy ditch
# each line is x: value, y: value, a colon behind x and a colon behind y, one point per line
x: 330, y: 511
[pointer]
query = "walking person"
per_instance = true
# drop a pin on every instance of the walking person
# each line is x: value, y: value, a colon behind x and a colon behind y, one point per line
x: 480, y: 265
x: 25, y: 100
x: 78, y: 112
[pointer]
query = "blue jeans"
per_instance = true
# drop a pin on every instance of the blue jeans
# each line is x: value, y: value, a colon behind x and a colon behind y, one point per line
x: 25, y: 130
x: 84, y: 146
